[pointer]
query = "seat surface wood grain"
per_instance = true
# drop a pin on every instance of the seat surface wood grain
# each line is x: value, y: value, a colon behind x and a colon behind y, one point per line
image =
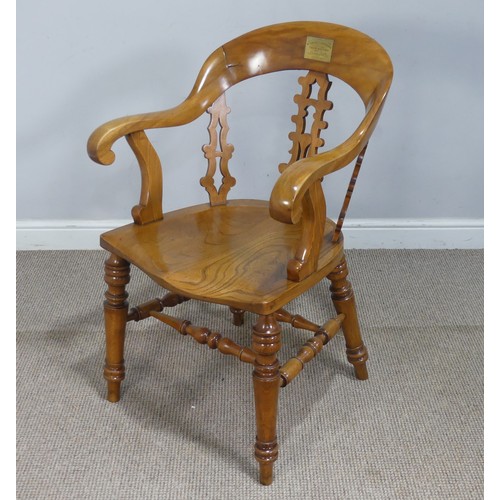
x: 233, y: 254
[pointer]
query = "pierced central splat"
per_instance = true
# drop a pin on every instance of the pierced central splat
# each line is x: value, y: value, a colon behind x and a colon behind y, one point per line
x: 218, y: 112
x: 307, y: 143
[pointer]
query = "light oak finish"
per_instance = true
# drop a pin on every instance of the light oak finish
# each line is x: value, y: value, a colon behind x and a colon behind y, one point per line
x: 232, y: 254
x: 218, y: 113
x: 117, y: 275
x: 144, y: 311
x: 344, y: 302
x: 266, y: 342
x: 249, y: 255
x: 305, y: 143
x: 203, y: 335
x: 310, y: 349
x: 149, y: 208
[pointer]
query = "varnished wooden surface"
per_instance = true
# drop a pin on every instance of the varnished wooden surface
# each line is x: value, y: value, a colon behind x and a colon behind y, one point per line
x: 347, y: 199
x: 357, y: 59
x: 250, y: 255
x: 218, y: 148
x: 266, y: 343
x: 310, y: 349
x: 116, y: 276
x: 233, y: 254
x: 149, y: 208
x: 344, y: 302
x: 306, y: 140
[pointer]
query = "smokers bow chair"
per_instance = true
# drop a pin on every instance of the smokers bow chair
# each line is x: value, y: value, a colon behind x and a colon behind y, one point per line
x: 249, y: 255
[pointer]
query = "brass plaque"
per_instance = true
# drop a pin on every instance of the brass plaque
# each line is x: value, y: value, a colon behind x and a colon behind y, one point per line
x: 319, y: 49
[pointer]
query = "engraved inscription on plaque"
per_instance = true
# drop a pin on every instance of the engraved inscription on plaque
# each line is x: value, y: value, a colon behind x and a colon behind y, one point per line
x: 319, y: 49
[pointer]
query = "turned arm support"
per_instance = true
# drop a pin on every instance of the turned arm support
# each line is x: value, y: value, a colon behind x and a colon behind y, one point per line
x: 133, y: 129
x: 298, y: 196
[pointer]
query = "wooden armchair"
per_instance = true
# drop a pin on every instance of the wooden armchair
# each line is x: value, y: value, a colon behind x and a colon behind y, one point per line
x: 247, y: 254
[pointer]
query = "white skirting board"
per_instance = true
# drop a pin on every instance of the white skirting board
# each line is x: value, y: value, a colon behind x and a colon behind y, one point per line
x: 358, y: 233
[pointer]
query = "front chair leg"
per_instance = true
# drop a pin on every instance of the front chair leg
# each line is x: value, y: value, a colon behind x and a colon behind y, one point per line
x: 117, y: 275
x: 344, y: 302
x: 266, y: 383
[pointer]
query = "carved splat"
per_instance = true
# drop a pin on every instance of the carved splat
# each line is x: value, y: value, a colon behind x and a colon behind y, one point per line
x: 307, y: 143
x: 218, y: 112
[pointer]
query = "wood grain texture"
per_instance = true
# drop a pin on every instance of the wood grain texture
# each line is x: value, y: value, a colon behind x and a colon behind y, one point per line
x: 306, y: 141
x: 344, y: 302
x: 218, y: 149
x: 357, y: 59
x: 203, y: 335
x: 149, y: 208
x: 116, y: 276
x: 233, y: 254
x: 310, y: 349
x: 266, y: 343
x: 250, y: 255
x: 143, y: 311
x: 308, y: 246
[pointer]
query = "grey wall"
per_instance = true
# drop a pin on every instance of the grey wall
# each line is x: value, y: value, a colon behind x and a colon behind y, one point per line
x: 83, y: 63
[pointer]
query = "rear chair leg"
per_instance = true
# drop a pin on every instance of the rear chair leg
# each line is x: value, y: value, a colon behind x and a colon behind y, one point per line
x: 344, y: 302
x: 117, y: 275
x: 238, y: 316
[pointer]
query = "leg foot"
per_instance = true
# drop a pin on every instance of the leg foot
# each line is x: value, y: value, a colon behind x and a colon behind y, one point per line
x: 266, y: 382
x: 265, y: 470
x: 344, y: 302
x: 117, y: 275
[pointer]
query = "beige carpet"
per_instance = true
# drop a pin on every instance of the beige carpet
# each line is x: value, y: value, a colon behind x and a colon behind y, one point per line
x: 184, y: 428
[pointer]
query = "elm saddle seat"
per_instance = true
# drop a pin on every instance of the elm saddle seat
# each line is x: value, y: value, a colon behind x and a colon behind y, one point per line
x: 250, y: 255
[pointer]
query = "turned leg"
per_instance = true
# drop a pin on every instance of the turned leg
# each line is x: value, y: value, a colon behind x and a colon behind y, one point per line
x: 117, y: 275
x: 266, y: 383
x: 238, y: 316
x: 343, y: 300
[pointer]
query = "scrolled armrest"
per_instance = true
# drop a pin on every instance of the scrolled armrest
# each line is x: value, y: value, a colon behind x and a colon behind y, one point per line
x: 285, y: 204
x: 102, y: 139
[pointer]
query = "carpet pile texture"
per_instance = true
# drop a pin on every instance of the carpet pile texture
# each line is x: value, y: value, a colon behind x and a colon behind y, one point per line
x: 184, y: 428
